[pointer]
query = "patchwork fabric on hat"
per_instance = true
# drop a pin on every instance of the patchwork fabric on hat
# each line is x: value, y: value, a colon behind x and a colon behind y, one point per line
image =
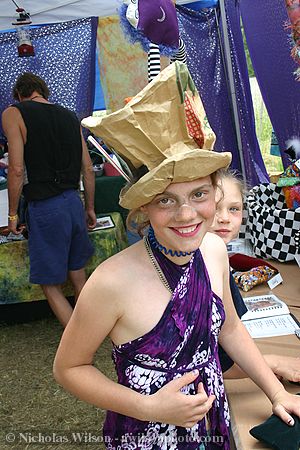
x: 271, y: 226
x: 290, y: 183
x: 292, y: 196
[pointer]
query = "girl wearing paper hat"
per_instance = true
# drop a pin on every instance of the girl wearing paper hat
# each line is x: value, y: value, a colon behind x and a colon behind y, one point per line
x: 162, y: 301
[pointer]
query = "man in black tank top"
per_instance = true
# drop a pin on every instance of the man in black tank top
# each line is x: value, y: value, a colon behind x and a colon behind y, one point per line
x: 47, y: 153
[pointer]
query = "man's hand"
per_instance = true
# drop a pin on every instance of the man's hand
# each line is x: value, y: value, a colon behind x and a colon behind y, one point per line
x: 13, y: 226
x: 91, y: 219
x: 284, y: 367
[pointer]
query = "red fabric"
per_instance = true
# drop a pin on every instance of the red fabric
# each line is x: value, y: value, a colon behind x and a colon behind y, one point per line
x: 241, y: 262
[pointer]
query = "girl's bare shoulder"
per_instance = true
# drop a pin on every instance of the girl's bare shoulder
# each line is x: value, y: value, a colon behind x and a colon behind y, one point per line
x: 213, y: 243
x: 121, y: 267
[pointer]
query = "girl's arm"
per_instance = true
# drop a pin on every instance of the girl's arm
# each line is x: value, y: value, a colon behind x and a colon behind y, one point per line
x: 239, y: 345
x: 94, y: 316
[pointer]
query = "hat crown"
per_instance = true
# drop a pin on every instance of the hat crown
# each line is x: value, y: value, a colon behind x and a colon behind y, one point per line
x: 153, y: 125
x: 163, y: 127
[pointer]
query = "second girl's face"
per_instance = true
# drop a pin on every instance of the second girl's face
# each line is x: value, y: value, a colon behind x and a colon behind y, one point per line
x: 183, y: 214
x: 229, y: 211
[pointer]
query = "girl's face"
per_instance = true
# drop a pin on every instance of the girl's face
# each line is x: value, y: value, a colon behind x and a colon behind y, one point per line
x: 229, y: 211
x: 183, y: 214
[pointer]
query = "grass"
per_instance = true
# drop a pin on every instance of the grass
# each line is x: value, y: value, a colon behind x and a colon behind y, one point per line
x: 31, y: 402
x: 263, y: 128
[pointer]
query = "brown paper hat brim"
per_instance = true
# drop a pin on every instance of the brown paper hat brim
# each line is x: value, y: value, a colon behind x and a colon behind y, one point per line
x: 185, y: 166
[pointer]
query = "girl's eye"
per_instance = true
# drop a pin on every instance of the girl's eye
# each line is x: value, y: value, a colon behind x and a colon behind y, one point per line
x: 199, y: 194
x: 235, y: 209
x: 164, y: 201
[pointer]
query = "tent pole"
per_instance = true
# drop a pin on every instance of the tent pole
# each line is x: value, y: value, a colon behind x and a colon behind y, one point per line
x: 231, y: 86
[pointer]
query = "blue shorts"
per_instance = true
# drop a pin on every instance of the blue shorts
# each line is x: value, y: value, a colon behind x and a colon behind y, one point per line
x: 58, y: 239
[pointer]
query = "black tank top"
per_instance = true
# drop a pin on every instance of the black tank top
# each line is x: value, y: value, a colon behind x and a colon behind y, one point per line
x: 53, y: 149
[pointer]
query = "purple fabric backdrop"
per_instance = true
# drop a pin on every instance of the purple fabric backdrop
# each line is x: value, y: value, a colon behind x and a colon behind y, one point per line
x: 64, y: 58
x: 269, y: 46
x: 200, y: 34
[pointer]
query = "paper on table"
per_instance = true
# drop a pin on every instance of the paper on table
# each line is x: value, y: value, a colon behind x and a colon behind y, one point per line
x: 240, y: 246
x: 271, y: 326
x: 264, y: 306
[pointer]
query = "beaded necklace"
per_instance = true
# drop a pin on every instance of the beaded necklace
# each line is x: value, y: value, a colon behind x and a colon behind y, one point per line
x: 156, y: 265
x: 155, y: 243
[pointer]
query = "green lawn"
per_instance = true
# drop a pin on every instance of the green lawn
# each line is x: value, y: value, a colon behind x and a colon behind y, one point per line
x: 35, y: 412
x: 264, y: 129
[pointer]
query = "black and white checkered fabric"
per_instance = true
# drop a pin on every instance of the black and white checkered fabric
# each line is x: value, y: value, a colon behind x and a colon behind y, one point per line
x: 242, y: 232
x: 271, y: 226
x: 297, y: 240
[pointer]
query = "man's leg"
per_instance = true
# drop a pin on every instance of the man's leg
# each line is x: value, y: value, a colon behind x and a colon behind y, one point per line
x: 78, y: 279
x: 58, y: 302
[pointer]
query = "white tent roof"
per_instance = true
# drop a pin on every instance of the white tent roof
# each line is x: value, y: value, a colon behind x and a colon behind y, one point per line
x: 50, y: 11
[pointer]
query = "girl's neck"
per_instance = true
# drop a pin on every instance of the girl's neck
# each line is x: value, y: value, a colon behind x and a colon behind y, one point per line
x: 176, y: 256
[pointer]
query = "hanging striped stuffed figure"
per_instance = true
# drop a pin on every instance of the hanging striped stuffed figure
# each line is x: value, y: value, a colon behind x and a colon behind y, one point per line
x: 155, y: 26
x: 154, y: 66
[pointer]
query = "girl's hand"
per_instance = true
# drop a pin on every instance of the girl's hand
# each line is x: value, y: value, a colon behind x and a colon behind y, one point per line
x: 284, y: 404
x: 170, y: 405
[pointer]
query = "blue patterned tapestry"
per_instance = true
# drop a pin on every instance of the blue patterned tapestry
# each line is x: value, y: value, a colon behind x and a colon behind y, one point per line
x: 199, y: 31
x: 270, y: 46
x: 64, y: 58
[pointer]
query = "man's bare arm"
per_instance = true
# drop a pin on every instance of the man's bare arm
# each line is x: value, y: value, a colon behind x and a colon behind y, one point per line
x: 12, y: 126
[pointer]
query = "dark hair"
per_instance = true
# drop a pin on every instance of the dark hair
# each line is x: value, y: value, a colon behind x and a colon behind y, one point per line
x: 27, y: 83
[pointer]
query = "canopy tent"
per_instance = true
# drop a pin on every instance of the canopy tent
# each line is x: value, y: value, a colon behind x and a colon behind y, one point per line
x: 208, y: 74
x: 52, y: 11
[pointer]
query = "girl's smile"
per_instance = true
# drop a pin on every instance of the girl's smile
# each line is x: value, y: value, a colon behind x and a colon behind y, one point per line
x: 182, y: 215
x: 187, y: 231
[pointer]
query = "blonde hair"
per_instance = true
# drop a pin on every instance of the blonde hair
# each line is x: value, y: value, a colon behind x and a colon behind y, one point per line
x: 137, y: 222
x: 235, y: 177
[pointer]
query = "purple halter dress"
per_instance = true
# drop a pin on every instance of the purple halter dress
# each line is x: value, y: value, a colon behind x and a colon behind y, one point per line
x: 184, y: 339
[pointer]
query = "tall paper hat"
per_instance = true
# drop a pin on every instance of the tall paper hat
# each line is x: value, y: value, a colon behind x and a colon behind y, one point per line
x: 161, y: 128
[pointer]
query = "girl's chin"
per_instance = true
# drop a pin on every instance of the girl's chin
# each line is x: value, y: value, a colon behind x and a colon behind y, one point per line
x: 183, y: 245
